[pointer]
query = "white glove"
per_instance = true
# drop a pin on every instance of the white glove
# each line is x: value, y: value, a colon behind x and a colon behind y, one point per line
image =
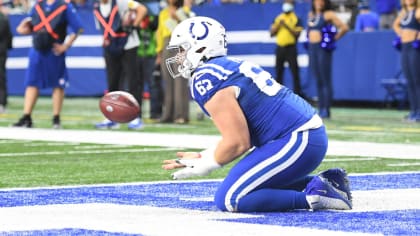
x: 196, y: 167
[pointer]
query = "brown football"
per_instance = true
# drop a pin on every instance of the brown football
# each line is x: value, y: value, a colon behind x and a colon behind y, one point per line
x: 119, y: 106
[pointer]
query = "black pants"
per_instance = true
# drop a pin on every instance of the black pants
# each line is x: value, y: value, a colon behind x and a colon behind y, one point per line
x: 150, y: 75
x: 320, y: 63
x: 410, y: 61
x: 3, y: 81
x: 122, y: 67
x: 288, y: 54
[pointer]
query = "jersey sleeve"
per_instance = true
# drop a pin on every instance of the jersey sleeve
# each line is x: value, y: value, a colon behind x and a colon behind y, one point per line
x: 204, y: 87
x: 73, y: 19
x: 31, y: 11
x: 211, y: 77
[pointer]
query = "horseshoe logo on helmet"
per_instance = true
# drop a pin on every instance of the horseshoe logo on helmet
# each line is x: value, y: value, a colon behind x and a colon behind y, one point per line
x: 202, y: 36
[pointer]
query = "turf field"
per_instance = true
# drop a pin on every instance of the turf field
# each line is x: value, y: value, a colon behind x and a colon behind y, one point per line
x: 62, y: 173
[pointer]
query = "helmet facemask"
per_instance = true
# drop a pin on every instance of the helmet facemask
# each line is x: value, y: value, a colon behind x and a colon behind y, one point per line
x: 180, y: 60
x: 176, y: 61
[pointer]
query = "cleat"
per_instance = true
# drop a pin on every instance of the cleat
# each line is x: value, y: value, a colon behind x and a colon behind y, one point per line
x: 56, y: 124
x: 107, y: 124
x: 321, y: 195
x: 337, y: 177
x: 136, y: 124
x: 24, y: 122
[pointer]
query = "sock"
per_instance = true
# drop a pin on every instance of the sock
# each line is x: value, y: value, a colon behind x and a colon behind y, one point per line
x: 27, y: 117
x: 56, y: 118
x: 273, y: 200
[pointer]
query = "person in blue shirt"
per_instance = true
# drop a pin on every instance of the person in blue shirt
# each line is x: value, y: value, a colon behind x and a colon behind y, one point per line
x: 47, y: 22
x: 366, y: 20
x: 387, y: 10
x: 279, y: 136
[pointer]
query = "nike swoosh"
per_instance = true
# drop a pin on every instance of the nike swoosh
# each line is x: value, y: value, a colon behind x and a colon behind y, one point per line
x: 322, y: 191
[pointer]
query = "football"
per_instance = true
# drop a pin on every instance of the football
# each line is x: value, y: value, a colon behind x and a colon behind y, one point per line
x: 119, y: 106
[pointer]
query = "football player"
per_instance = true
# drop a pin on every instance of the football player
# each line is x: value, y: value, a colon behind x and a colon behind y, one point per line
x: 279, y: 136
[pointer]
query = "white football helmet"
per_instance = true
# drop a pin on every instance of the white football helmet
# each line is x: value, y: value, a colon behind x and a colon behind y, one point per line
x: 194, y: 41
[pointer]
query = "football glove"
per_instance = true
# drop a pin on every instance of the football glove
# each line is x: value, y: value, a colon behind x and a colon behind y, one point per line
x: 196, y: 167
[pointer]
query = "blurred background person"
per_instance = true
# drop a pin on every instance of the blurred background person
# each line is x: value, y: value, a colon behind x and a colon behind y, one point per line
x: 14, y: 7
x: 5, y: 45
x: 407, y: 27
x: 324, y: 29
x: 47, y: 67
x: 176, y: 91
x: 117, y: 19
x: 287, y: 27
x: 387, y: 10
x: 149, y: 71
x: 366, y: 20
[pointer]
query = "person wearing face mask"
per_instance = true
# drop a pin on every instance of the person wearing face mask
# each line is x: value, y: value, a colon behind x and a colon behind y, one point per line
x: 286, y: 28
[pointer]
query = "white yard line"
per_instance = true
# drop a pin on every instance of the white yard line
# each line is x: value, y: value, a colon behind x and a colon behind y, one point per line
x: 336, y: 148
x: 349, y: 159
x: 148, y: 220
x: 101, y: 151
x: 145, y: 220
x: 405, y: 164
x: 386, y: 200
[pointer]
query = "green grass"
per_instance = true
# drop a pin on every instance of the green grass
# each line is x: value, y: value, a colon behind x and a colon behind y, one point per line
x: 34, y: 163
x: 29, y: 164
x: 353, y: 124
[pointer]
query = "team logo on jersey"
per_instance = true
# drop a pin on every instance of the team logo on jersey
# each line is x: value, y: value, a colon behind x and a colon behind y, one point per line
x: 206, y: 31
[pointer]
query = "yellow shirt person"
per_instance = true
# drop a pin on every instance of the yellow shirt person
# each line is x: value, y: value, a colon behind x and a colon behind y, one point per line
x: 166, y: 24
x: 287, y: 28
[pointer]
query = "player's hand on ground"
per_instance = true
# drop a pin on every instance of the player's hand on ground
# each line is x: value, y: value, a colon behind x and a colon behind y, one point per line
x: 176, y: 163
x: 192, y: 164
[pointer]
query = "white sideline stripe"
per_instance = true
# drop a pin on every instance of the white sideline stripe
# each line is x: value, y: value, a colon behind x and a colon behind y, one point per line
x: 82, y: 41
x: 349, y: 159
x: 50, y: 144
x: 405, y: 164
x: 386, y: 200
x: 270, y: 60
x: 84, y: 62
x: 13, y: 141
x: 181, y: 141
x: 255, y: 36
x: 71, y: 62
x: 145, y: 220
x: 102, y: 151
x: 233, y: 37
x: 148, y: 220
x: 100, y: 146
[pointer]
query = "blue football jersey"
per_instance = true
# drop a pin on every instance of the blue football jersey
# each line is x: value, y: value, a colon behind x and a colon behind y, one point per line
x: 271, y: 110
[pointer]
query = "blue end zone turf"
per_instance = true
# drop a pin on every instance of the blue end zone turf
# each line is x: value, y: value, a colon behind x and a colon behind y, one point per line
x: 61, y: 232
x: 198, y: 195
